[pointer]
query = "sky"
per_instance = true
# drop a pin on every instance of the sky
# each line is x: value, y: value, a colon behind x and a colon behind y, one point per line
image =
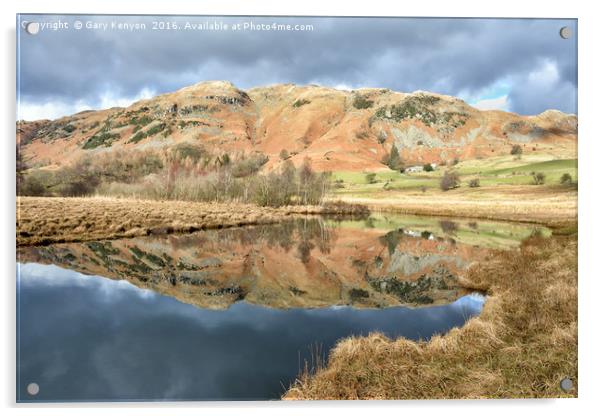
x: 518, y: 65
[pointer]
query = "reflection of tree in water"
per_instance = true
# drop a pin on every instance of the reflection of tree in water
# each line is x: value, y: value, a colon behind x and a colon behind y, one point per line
x: 369, y: 222
x: 313, y: 233
x: 448, y: 227
x: 391, y: 240
x: 304, y: 250
x: 305, y: 232
x: 426, y: 235
x: 185, y: 241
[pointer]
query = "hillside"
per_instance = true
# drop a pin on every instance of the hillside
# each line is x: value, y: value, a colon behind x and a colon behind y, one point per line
x: 337, y: 130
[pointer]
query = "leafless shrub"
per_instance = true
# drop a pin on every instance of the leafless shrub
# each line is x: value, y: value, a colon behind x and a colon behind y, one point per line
x: 449, y: 180
x: 538, y: 178
x: 448, y: 227
x: 566, y: 179
x: 474, y: 183
x: 516, y: 150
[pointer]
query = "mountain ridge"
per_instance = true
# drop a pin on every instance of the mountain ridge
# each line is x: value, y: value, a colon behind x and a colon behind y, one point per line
x: 335, y: 129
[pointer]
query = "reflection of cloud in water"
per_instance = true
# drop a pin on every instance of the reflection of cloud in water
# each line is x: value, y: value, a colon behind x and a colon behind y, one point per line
x: 51, y: 275
x: 90, y: 338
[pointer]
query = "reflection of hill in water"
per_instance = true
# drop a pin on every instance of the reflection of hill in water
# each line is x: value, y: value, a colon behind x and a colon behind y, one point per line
x: 300, y: 263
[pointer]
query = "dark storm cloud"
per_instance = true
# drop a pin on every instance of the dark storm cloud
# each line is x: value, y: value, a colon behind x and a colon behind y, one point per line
x: 451, y: 56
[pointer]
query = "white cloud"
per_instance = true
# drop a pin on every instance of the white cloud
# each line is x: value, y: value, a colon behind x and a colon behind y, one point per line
x: 498, y: 103
x: 51, y: 275
x: 343, y: 87
x: 55, y: 109
x: 546, y: 74
x: 108, y: 100
x: 50, y: 110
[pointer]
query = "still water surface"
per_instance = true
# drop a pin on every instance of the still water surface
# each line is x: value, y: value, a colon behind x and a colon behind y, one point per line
x: 91, y: 338
x: 234, y: 314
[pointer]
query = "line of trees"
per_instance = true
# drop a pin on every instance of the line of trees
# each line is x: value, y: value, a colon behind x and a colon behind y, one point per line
x: 86, y: 174
x: 185, y: 172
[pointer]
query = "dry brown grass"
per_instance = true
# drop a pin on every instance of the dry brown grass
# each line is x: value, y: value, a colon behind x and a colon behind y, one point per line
x: 51, y: 220
x: 522, y: 345
x: 512, y: 203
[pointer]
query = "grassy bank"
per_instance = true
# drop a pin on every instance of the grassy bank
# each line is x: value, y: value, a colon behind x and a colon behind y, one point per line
x: 522, y: 345
x: 541, y: 205
x: 45, y: 220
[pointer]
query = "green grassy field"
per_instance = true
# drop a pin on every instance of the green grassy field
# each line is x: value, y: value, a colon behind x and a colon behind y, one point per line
x: 503, y: 170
